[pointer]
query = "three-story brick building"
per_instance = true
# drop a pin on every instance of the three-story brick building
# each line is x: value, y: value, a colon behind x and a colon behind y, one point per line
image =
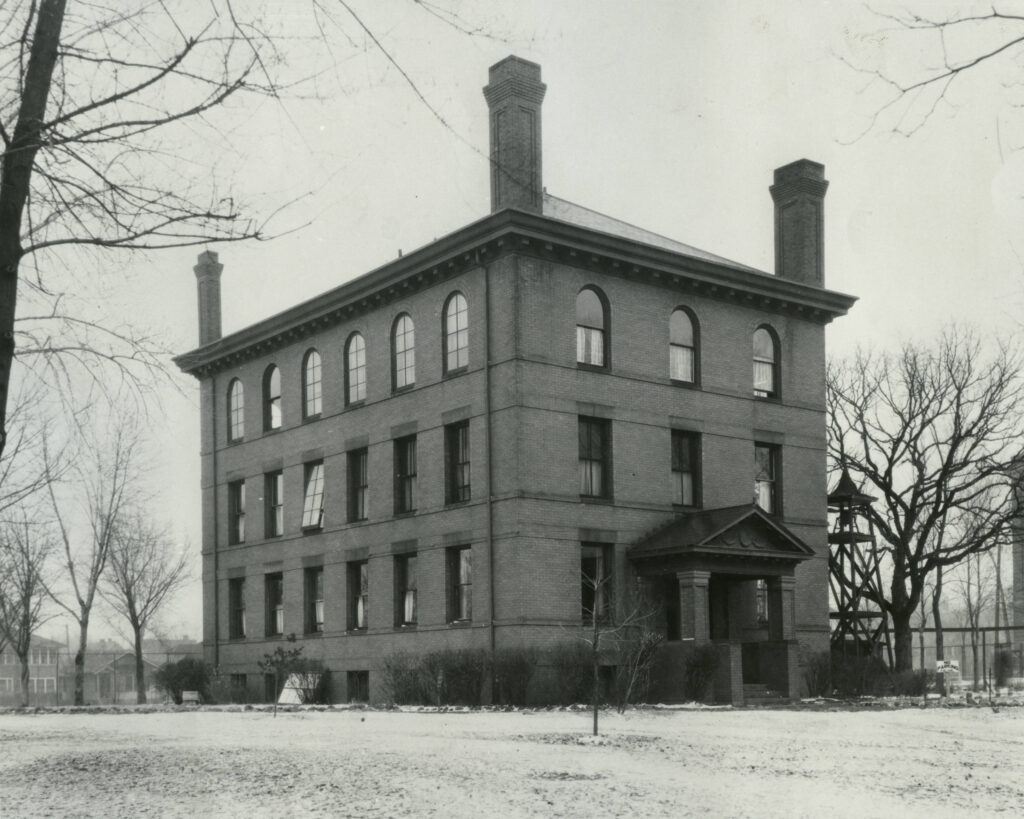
x: 472, y: 445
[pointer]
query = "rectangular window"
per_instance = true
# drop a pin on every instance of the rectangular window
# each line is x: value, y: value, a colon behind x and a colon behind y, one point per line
x: 313, y: 502
x: 358, y: 483
x: 596, y: 581
x: 274, y: 591
x: 314, y: 582
x: 358, y: 594
x: 589, y: 346
x: 761, y: 600
x: 595, y: 449
x: 456, y: 448
x: 273, y: 493
x: 405, y: 590
x: 236, y: 608
x: 236, y: 512
x: 358, y: 684
x: 405, y: 474
x: 460, y: 584
x: 766, y: 469
x: 685, y: 468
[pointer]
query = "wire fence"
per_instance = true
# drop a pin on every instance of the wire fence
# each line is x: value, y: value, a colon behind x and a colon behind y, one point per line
x: 986, y: 658
x: 109, y: 677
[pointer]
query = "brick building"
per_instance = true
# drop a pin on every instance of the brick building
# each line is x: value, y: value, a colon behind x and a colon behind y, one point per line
x: 442, y: 452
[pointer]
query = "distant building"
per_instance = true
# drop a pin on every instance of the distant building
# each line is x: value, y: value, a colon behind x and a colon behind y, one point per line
x: 450, y: 450
x: 43, y: 669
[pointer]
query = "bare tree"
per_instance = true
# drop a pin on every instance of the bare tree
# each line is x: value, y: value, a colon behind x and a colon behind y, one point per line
x: 26, y: 546
x: 935, y: 432
x: 949, y: 46
x: 619, y: 624
x: 145, y: 569
x: 106, y: 479
x: 112, y: 119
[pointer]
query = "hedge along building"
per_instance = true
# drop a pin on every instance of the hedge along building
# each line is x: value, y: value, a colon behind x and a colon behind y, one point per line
x: 438, y: 454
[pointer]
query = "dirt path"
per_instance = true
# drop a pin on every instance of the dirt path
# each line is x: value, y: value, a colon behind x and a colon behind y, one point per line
x: 367, y: 764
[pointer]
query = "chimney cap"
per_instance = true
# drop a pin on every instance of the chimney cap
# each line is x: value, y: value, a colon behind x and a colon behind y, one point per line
x: 514, y: 77
x: 208, y: 264
x: 801, y: 169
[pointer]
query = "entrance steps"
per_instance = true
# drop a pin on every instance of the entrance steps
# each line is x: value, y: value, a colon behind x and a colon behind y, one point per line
x: 761, y: 694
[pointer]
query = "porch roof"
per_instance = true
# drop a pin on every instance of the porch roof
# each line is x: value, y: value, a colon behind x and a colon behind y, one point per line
x: 738, y: 532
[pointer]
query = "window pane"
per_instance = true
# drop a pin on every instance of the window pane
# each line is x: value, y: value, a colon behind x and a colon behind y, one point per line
x: 764, y: 378
x: 590, y: 346
x: 680, y: 329
x: 681, y: 363
x: 356, y: 369
x: 764, y: 345
x: 313, y: 503
x: 313, y: 385
x: 405, y: 352
x: 456, y: 329
x: 589, y: 310
x: 272, y: 396
x: 236, y: 410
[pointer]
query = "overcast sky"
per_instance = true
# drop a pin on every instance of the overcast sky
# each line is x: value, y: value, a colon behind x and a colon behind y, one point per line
x: 669, y: 115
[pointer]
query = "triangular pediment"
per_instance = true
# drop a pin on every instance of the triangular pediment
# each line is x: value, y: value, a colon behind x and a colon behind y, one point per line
x: 741, y: 532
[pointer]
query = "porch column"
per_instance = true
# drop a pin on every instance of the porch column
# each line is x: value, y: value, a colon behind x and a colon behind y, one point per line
x: 693, y: 605
x: 781, y: 611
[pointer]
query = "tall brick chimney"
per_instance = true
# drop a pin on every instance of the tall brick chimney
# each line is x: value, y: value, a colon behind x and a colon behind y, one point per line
x: 799, y: 195
x: 514, y: 96
x: 208, y: 272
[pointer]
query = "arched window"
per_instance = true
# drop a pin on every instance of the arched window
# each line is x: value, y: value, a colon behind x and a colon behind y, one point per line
x: 236, y: 411
x: 591, y: 329
x: 312, y: 385
x: 682, y: 346
x: 355, y: 369
x: 272, y: 398
x: 403, y: 352
x: 766, y: 364
x: 456, y: 333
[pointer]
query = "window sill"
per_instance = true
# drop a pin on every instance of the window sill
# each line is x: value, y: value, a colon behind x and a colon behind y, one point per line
x: 406, y: 388
x: 408, y: 513
x: 235, y: 441
x: 686, y: 507
x: 597, y: 500
x: 455, y: 373
x: 273, y: 431
x: 357, y: 521
x: 406, y: 627
x: 355, y: 632
x: 276, y: 636
x: 460, y: 623
x: 770, y: 399
x: 356, y: 404
x: 594, y: 368
x: 309, y: 634
x: 685, y: 385
x: 236, y: 639
x: 312, y: 530
x: 306, y: 419
x: 457, y: 503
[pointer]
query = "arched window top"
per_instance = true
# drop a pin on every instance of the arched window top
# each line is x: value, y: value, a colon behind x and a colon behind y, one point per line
x: 764, y: 344
x: 590, y: 309
x: 403, y: 346
x: 272, y: 398
x: 591, y: 328
x: 355, y: 368
x: 683, y: 358
x: 456, y: 332
x: 681, y: 328
x: 766, y: 363
x: 236, y: 410
x: 312, y: 384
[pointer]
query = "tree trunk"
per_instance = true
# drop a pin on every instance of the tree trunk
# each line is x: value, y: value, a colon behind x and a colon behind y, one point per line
x: 140, y: 670
x: 597, y: 669
x: 903, y: 636
x: 83, y: 640
x: 24, y: 679
x: 937, y: 615
x: 16, y: 175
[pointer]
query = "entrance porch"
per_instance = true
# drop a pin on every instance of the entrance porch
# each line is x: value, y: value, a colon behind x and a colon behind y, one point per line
x: 725, y: 577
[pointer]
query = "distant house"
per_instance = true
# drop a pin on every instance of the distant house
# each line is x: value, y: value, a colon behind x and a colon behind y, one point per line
x: 44, y: 667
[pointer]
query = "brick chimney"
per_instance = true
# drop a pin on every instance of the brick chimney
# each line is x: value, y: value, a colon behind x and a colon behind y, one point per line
x: 514, y: 96
x: 799, y: 196
x: 208, y: 272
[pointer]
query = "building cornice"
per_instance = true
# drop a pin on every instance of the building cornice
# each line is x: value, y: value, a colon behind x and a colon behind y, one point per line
x: 499, y: 234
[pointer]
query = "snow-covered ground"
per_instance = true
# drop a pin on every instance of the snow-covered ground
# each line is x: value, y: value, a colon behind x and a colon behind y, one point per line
x: 966, y: 762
